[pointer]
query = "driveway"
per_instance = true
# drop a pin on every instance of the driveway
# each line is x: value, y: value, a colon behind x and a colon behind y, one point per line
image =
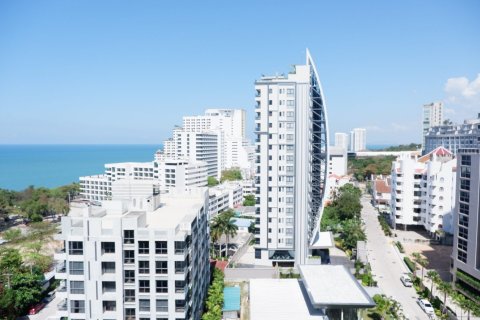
x: 48, y: 312
x: 387, y: 265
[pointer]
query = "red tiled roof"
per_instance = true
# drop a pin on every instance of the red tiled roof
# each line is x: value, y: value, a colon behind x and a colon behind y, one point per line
x: 382, y: 186
x: 439, y: 151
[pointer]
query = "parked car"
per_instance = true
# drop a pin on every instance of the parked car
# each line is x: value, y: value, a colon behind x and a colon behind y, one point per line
x: 426, y: 306
x: 36, y: 308
x: 405, y: 278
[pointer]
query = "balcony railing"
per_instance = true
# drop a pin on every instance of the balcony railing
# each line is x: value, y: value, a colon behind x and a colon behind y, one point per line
x: 61, y: 268
x: 62, y: 306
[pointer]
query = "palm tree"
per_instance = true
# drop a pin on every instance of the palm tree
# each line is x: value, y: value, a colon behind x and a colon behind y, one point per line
x: 216, y: 231
x: 460, y: 301
x: 446, y: 288
x: 423, y: 262
x: 229, y: 226
x: 434, y: 277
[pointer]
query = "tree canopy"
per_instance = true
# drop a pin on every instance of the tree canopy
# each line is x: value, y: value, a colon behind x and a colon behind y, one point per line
x: 363, y: 168
x: 231, y: 175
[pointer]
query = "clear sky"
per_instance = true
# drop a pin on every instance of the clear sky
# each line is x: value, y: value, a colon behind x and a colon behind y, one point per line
x: 127, y: 71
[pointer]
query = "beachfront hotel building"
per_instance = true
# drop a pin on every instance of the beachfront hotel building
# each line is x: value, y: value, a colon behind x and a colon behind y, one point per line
x: 140, y: 256
x: 341, y: 140
x: 217, y: 137
x: 358, y: 139
x: 423, y: 191
x: 224, y: 196
x: 454, y: 136
x: 432, y: 117
x: 466, y: 241
x: 167, y: 174
x: 291, y: 164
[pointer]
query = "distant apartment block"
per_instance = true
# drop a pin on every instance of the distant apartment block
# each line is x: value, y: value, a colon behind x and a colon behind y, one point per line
x: 217, y: 137
x: 167, y: 174
x: 358, y: 139
x: 466, y: 243
x: 454, y: 136
x: 136, y: 257
x: 224, y: 196
x: 423, y: 190
x: 291, y: 164
x: 342, y: 140
x: 432, y: 117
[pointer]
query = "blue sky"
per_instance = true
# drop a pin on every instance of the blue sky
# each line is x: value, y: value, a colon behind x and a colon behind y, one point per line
x: 126, y: 72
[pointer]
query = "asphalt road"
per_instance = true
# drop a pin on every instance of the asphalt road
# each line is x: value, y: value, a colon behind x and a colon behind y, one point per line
x: 387, y: 265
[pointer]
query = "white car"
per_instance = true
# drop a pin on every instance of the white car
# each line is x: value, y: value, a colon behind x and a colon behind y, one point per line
x: 426, y: 306
x: 405, y: 278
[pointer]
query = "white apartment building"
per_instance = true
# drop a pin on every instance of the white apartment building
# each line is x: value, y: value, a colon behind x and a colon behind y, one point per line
x: 432, y: 117
x: 248, y: 187
x: 168, y: 174
x: 123, y: 262
x: 466, y: 240
x: 358, y: 139
x: 224, y: 196
x: 292, y: 164
x: 342, y: 140
x: 204, y: 146
x: 454, y: 136
x: 423, y: 190
x: 337, y: 161
x: 230, y: 125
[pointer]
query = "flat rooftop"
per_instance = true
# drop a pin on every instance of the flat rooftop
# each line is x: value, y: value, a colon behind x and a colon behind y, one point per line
x: 334, y: 286
x: 176, y: 207
x: 281, y: 299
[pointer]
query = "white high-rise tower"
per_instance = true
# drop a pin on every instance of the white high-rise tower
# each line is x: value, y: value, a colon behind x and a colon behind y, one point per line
x: 291, y: 158
x: 432, y: 117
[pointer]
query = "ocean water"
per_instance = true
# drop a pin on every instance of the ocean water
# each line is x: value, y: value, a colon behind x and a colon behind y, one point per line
x: 55, y: 165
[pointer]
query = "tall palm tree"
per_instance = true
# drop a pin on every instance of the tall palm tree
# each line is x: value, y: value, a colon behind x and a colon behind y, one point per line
x: 229, y: 227
x: 434, y: 277
x: 445, y: 288
x: 216, y: 231
x: 460, y: 301
x: 422, y: 262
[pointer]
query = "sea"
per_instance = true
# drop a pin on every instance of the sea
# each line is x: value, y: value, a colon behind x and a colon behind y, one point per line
x: 56, y: 165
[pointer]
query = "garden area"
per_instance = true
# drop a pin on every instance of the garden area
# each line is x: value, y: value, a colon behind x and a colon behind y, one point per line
x: 342, y: 218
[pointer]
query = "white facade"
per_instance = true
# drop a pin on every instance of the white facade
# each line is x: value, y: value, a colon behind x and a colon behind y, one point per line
x: 224, y: 196
x: 230, y: 125
x: 342, y: 140
x: 204, y: 146
x: 432, y: 117
x: 121, y: 262
x: 292, y: 166
x: 358, y: 139
x: 337, y: 161
x: 423, y: 190
x: 382, y: 193
x: 167, y: 174
x: 248, y: 187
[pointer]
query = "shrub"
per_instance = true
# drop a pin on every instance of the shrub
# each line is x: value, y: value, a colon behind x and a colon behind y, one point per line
x: 400, y: 247
x: 410, y: 264
x: 12, y: 234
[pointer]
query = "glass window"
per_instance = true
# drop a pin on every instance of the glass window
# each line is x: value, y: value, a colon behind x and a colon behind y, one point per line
x: 75, y: 247
x: 128, y: 256
x: 108, y: 267
x: 143, y: 267
x: 162, y: 305
x: 129, y: 295
x: 77, y: 306
x: 179, y: 247
x: 76, y: 267
x: 162, y: 286
x: 108, y: 286
x: 128, y: 236
x: 161, y: 267
x: 109, y: 306
x: 77, y: 287
x: 108, y: 247
x: 129, y: 276
x: 161, y: 247
x: 144, y: 286
x: 144, y: 305
x: 143, y: 247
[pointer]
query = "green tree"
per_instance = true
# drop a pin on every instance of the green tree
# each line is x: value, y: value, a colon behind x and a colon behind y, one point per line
x: 224, y: 224
x: 231, y: 175
x: 352, y: 232
x: 421, y: 261
x: 446, y: 289
x: 10, y: 262
x: 212, y: 182
x: 25, y: 291
x: 249, y: 200
x: 434, y: 278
